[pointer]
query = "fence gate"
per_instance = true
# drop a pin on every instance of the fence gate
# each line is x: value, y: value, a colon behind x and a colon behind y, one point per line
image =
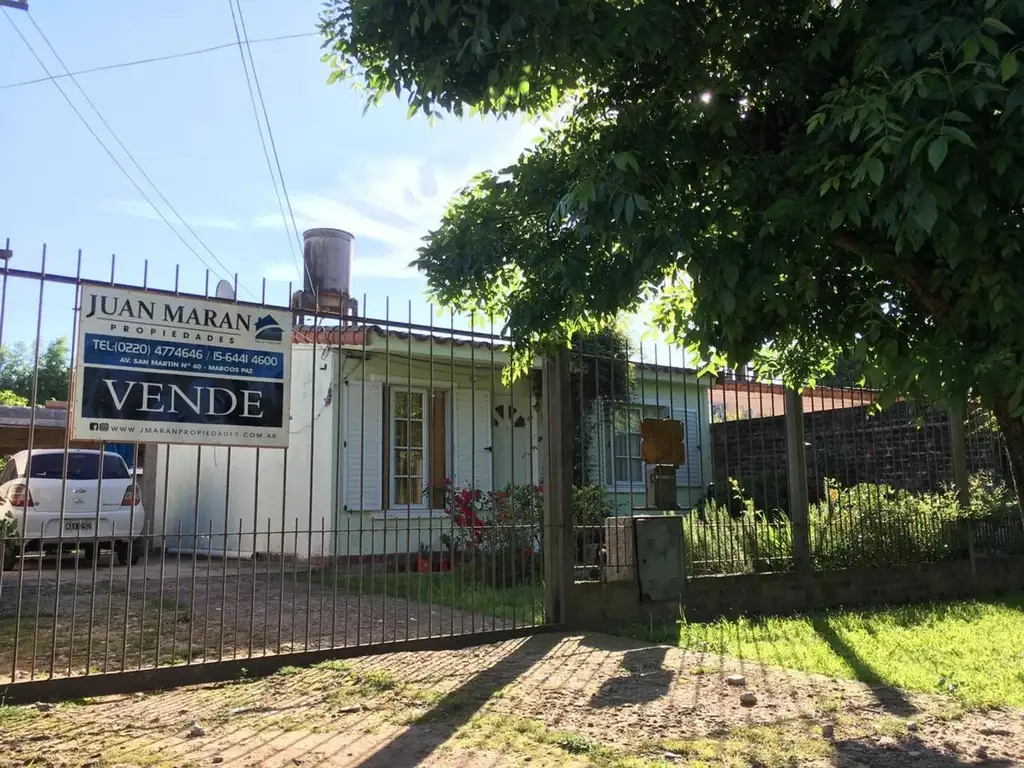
x: 404, y: 513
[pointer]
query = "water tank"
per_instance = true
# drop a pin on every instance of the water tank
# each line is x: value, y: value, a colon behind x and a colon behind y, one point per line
x: 327, y: 257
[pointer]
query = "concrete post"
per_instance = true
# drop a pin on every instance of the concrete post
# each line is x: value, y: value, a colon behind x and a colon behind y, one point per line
x: 796, y: 460
x: 558, y: 535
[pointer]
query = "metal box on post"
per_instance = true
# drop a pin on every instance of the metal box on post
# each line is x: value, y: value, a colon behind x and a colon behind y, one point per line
x: 661, y: 574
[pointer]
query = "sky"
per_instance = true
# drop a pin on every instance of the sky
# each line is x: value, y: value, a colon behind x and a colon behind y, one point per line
x: 189, y: 124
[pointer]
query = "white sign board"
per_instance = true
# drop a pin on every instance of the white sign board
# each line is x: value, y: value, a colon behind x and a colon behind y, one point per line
x: 164, y: 369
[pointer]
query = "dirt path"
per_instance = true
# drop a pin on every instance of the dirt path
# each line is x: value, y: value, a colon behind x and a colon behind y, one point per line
x: 117, y: 619
x: 549, y: 700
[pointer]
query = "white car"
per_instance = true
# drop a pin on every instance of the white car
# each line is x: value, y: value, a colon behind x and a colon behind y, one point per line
x: 101, y: 509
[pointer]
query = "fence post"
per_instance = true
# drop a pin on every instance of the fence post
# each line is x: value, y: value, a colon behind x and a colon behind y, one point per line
x: 559, y: 544
x: 796, y: 460
x: 961, y: 478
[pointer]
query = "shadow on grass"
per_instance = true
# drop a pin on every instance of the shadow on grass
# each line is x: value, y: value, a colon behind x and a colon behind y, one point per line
x: 455, y: 709
x: 891, y: 699
x: 912, y: 753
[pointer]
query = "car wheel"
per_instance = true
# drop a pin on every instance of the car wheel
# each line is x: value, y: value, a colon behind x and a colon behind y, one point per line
x: 128, y: 552
x: 9, y: 556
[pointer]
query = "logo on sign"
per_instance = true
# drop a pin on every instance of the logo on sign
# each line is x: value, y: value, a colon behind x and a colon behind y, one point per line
x: 268, y: 329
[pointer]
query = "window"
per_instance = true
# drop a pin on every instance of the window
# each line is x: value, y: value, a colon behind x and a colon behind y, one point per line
x: 81, y: 466
x: 419, y: 448
x: 624, y: 465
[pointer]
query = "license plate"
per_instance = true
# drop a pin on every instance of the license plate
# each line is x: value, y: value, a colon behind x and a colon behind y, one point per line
x: 77, y: 525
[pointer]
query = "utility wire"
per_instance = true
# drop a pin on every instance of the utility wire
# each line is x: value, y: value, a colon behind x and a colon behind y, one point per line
x: 227, y: 272
x: 270, y: 133
x: 259, y: 128
x: 106, y: 149
x: 155, y: 59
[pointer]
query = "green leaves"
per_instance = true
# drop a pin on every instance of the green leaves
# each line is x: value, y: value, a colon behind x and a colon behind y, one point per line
x: 849, y: 186
x: 1009, y: 66
x: 971, y: 49
x: 997, y: 25
x: 626, y: 161
x: 926, y: 212
x: 937, y: 151
x: 875, y: 170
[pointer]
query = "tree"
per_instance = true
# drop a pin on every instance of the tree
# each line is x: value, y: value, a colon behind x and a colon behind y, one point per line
x: 845, y: 373
x: 789, y: 181
x: 10, y: 398
x: 599, y: 369
x: 16, y: 371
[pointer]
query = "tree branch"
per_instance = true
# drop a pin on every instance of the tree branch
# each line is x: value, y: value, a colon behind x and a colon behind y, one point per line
x: 934, y: 303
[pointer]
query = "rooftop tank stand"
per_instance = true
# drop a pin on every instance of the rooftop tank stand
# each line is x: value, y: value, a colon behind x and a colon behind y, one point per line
x: 327, y: 275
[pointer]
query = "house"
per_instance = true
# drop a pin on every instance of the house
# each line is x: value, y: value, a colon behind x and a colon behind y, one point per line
x: 612, y: 452
x: 383, y: 421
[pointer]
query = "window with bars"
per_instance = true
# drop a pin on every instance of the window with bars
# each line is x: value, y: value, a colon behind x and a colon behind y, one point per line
x: 419, y: 448
x: 623, y: 464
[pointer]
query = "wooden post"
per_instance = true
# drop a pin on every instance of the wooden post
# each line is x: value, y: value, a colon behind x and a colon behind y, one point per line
x: 796, y: 460
x: 558, y: 534
x: 961, y: 477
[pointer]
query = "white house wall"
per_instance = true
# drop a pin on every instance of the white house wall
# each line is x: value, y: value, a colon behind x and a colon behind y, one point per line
x: 245, y: 500
x: 368, y: 530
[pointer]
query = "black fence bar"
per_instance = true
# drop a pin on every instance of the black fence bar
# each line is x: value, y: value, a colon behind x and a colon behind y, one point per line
x: 405, y: 509
x: 880, y: 481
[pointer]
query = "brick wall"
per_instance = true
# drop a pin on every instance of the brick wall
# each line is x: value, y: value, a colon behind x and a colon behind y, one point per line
x: 604, y: 606
x: 852, y: 445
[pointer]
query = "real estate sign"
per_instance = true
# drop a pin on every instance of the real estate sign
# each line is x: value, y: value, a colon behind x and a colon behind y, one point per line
x: 165, y: 369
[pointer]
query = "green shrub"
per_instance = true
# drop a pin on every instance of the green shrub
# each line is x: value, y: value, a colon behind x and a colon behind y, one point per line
x: 590, y: 505
x: 717, y: 541
x: 862, y: 525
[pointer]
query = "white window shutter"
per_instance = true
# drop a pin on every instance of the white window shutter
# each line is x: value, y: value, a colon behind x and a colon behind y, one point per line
x: 364, y: 432
x: 473, y: 453
x: 688, y: 474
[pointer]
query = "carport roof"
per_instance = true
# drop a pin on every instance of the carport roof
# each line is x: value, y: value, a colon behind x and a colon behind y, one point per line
x: 21, y: 416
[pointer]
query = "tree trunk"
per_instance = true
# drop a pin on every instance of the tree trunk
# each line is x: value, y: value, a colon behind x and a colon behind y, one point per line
x: 1012, y: 429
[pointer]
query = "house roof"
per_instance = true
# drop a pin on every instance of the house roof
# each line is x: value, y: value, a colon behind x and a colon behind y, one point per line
x: 744, y: 386
x: 364, y: 335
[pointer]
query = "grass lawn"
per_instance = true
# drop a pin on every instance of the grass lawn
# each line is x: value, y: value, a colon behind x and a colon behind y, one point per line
x: 459, y: 589
x: 973, y: 651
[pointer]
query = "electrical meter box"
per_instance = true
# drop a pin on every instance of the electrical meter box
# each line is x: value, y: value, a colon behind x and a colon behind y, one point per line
x: 659, y: 557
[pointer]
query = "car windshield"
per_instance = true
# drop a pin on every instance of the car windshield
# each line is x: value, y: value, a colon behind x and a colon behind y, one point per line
x: 81, y: 466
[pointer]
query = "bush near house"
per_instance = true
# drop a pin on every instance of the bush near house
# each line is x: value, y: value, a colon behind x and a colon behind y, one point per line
x: 862, y: 525
x: 497, y: 533
x: 500, y: 532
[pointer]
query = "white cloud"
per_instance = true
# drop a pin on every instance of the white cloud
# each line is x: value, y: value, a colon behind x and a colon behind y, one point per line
x: 140, y: 209
x: 394, y: 202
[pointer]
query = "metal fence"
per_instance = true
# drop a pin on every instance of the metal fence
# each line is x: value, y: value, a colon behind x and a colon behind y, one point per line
x: 880, y: 487
x: 407, y: 509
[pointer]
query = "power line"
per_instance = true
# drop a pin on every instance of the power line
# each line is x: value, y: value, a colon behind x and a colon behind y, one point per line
x: 154, y: 59
x: 227, y: 272
x: 259, y: 128
x: 106, y: 149
x: 270, y: 132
